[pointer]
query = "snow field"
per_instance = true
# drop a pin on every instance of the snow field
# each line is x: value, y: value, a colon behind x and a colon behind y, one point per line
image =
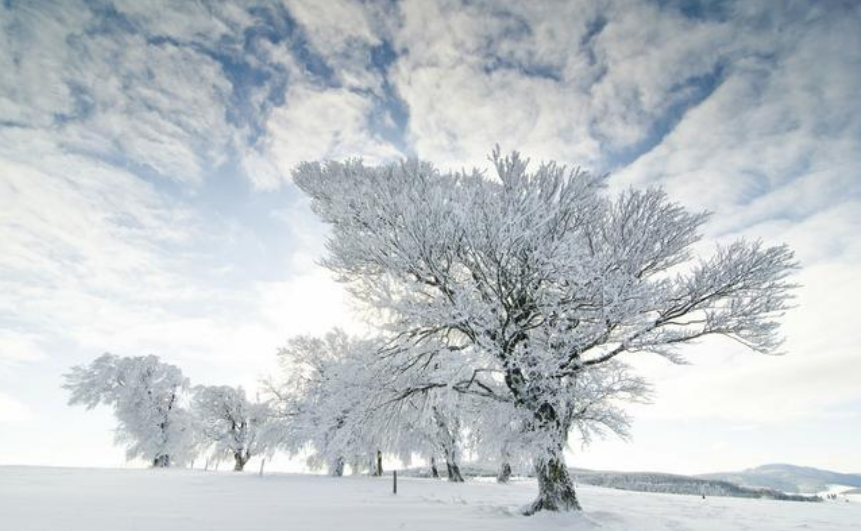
x: 76, y: 499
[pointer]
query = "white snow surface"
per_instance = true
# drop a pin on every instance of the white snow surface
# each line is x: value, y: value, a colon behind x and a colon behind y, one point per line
x: 77, y: 499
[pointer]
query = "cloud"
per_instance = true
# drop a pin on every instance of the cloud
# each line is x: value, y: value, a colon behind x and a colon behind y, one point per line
x: 154, y: 110
x: 117, y: 95
x: 17, y: 347
x: 771, y: 125
x: 186, y: 22
x: 86, y: 247
x: 320, y: 124
x: 576, y: 81
x: 345, y: 34
x: 463, y: 98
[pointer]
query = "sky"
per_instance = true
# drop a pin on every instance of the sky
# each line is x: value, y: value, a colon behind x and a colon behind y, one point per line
x: 146, y: 202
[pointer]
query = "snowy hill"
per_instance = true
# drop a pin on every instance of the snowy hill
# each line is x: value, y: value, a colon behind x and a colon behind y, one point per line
x: 788, y: 478
x: 70, y: 499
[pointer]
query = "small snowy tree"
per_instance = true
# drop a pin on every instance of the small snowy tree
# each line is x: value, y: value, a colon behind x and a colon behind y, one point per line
x: 497, y: 437
x: 535, y: 278
x: 430, y: 425
x: 448, y: 434
x: 146, y: 396
x: 230, y: 423
x: 321, y: 397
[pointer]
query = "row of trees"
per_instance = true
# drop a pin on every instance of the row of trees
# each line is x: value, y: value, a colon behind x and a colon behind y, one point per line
x: 505, y: 309
x: 340, y: 398
x: 165, y: 421
x: 330, y: 404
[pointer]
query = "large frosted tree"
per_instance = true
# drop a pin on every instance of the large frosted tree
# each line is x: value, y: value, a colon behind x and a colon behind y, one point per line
x: 146, y: 395
x: 517, y: 285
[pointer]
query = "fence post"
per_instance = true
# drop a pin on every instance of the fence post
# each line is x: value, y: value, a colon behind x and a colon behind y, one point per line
x: 395, y: 482
x: 261, y: 472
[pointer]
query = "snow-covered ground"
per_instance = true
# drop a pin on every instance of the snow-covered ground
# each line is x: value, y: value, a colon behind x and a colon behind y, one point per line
x: 73, y: 499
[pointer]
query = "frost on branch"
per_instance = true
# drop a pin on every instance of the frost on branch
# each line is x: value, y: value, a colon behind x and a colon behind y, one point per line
x: 526, y: 288
x: 146, y: 395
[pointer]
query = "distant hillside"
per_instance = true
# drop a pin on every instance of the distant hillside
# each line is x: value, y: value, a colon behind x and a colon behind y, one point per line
x: 787, y: 478
x: 678, y: 484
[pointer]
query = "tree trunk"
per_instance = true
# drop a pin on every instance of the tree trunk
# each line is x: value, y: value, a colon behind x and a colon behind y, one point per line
x: 449, y: 445
x: 357, y: 466
x: 505, y: 473
x: 556, y: 492
x: 337, y: 467
x: 379, y: 464
x: 162, y: 461
x: 240, y: 460
x: 434, y: 472
x: 453, y: 472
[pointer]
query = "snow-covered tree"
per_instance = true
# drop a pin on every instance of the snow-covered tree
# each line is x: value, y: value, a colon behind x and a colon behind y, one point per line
x: 430, y: 425
x: 146, y: 395
x: 533, y: 279
x: 321, y: 396
x: 448, y: 428
x: 230, y: 422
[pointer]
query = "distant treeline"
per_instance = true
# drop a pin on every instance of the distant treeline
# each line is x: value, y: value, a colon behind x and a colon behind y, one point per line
x: 647, y: 482
x: 677, y: 484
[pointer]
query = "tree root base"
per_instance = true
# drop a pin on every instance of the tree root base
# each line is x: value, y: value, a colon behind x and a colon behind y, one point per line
x: 544, y: 504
